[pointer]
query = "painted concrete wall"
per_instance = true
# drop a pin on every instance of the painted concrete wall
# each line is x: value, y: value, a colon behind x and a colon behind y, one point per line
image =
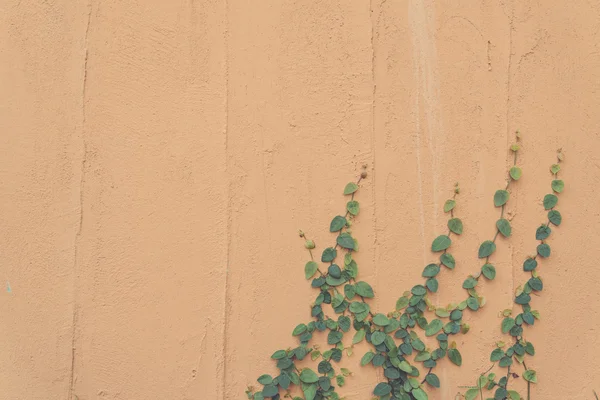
x: 158, y: 158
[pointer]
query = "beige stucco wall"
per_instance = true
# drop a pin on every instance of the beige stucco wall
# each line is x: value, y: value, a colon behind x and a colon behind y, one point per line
x: 158, y: 158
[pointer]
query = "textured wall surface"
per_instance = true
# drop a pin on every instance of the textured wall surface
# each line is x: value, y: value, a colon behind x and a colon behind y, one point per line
x: 158, y: 158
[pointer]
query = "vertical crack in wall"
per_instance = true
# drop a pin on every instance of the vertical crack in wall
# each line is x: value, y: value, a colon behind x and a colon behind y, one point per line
x: 228, y: 224
x: 508, y: 137
x: 81, y: 199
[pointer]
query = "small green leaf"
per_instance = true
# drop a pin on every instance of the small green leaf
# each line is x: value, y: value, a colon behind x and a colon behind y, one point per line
x: 550, y: 201
x: 433, y: 380
x: 265, y: 379
x: 489, y: 271
x: 432, y: 284
x: 554, y: 217
x: 299, y: 330
x: 358, y: 336
x: 455, y: 357
x: 401, y: 303
x: 337, y: 223
x: 514, y: 395
x: 378, y: 337
x: 431, y: 270
x: 542, y: 232
x: 334, y: 337
x: 350, y: 188
x: 455, y: 225
x: 419, y: 394
x: 364, y: 289
x: 500, y: 198
x: 448, y: 260
x: 308, y: 376
x: 433, y: 327
x: 472, y: 394
x: 418, y: 290
x: 278, y: 355
x: 449, y: 205
x: 310, y: 391
x: 504, y: 227
x: 382, y: 389
x: 496, y: 355
x: 310, y: 269
x: 530, y: 264
x: 353, y: 207
x: 346, y: 241
x: 507, y: 324
x: 472, y: 303
x: 469, y: 283
x: 441, y: 243
x: 486, y: 249
x: 367, y: 358
x: 515, y: 173
x: 558, y: 185
x: 270, y: 391
x: 555, y: 168
x: 381, y: 320
x: 543, y: 250
x: 505, y: 361
x: 404, y: 366
x: 329, y: 254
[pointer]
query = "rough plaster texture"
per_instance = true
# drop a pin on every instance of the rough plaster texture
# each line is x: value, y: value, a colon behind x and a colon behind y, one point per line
x: 158, y: 158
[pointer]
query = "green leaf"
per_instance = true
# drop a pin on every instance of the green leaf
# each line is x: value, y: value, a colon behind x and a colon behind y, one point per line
x: 378, y: 337
x: 310, y: 391
x: 530, y: 264
x: 550, y: 201
x: 270, y: 391
x: 448, y: 260
x: 299, y: 329
x: 486, y: 249
x: 472, y: 303
x: 353, y: 207
x: 558, y: 185
x: 367, y: 358
x: 401, y: 303
x: 278, y: 355
x: 433, y: 327
x: 441, y: 243
x: 433, y: 380
x: 515, y: 173
x: 555, y: 168
x: 507, y: 324
x: 419, y: 290
x: 505, y: 361
x: 358, y: 336
x: 310, y: 269
x: 432, y: 284
x: 543, y: 250
x: 469, y: 283
x: 489, y: 271
x: 496, y: 355
x: 334, y: 337
x: 405, y: 366
x: 554, y: 217
x: 514, y: 395
x: 500, y: 198
x: 431, y: 270
x: 542, y: 232
x: 329, y: 254
x: 419, y: 394
x: 449, y: 205
x: 455, y: 357
x: 381, y: 320
x: 455, y: 225
x: 265, y: 379
x: 504, y: 227
x: 308, y: 376
x: 472, y: 394
x: 382, y: 389
x: 340, y: 380
x: 337, y: 224
x: 346, y: 241
x: 364, y: 289
x: 350, y: 188
x: 536, y: 284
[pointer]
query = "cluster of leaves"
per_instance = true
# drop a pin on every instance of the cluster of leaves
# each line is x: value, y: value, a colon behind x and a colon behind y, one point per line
x: 395, y: 338
x: 520, y: 348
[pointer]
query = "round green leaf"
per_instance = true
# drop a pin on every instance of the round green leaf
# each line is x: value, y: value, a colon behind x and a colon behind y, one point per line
x: 364, y: 289
x: 346, y: 241
x: 558, y: 185
x: 278, y: 355
x: 270, y: 391
x: 441, y: 243
x: 433, y: 380
x: 358, y: 336
x: 555, y: 168
x: 350, y: 188
x: 455, y: 225
x: 472, y: 303
x: 310, y: 391
x: 543, y: 250
x: 505, y: 361
x: 536, y: 284
x: 419, y: 290
x: 431, y: 270
x: 308, y: 376
x: 337, y: 223
x: 550, y: 201
x: 472, y: 394
x: 542, y: 232
x: 507, y: 324
x: 500, y: 197
x: 448, y: 260
x: 382, y: 389
x: 489, y: 271
x: 515, y: 173
x: 329, y: 254
x: 265, y: 379
x: 433, y: 327
x: 496, y: 355
x: 530, y: 264
x: 449, y: 205
x: 419, y: 394
x: 401, y: 303
x: 299, y: 329
x: 381, y: 320
x: 504, y: 227
x: 469, y: 283
x: 455, y: 357
x: 432, y: 284
x: 486, y: 249
x: 334, y: 337
x: 310, y: 269
x: 353, y: 207
x: 378, y: 337
x: 367, y: 358
x: 404, y: 366
x: 530, y: 376
x: 554, y: 217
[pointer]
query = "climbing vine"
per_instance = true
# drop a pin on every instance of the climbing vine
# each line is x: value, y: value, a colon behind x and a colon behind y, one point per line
x: 342, y: 309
